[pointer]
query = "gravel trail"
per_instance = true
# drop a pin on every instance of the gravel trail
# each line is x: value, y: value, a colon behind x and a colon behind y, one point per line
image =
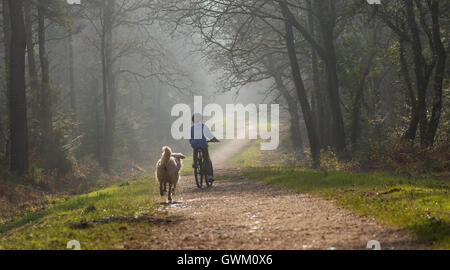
x: 239, y: 213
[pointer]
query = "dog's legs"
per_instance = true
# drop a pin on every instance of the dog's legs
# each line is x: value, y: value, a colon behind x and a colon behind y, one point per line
x: 174, y: 188
x: 161, y: 188
x: 165, y: 187
x: 170, y: 193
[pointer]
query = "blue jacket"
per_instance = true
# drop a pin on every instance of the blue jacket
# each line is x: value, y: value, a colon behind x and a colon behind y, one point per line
x: 199, y: 143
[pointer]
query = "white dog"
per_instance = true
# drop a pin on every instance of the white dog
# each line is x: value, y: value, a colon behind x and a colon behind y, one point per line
x: 168, y: 171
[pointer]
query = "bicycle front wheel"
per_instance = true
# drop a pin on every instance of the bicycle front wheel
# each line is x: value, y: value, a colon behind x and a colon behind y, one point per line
x: 198, y: 176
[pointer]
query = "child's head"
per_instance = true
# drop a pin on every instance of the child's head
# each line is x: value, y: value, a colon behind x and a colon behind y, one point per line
x: 197, y: 118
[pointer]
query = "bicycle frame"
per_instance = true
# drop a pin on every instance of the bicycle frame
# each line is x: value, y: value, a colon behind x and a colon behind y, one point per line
x: 200, y: 167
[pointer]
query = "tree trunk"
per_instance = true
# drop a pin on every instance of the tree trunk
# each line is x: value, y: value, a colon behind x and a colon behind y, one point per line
x: 327, y: 22
x: 301, y: 92
x: 356, y: 113
x: 321, y: 118
x: 296, y: 135
x: 441, y: 55
x: 18, y: 103
x: 327, y: 17
x: 45, y: 118
x: 72, y: 93
x: 7, y: 44
x: 420, y: 65
x: 32, y: 71
x: 109, y: 100
x: 410, y: 134
x: 98, y: 120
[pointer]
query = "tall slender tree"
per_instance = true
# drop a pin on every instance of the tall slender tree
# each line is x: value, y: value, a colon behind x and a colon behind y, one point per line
x: 45, y: 118
x: 18, y: 103
x: 327, y: 21
x: 7, y: 44
x: 440, y: 54
x: 301, y: 93
x: 109, y: 91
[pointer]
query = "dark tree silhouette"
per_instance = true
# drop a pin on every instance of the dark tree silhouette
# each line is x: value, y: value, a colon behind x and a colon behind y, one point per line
x: 18, y: 103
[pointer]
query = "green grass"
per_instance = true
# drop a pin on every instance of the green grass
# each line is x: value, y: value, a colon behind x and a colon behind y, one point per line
x: 253, y: 156
x: 398, y: 201
x: 101, y: 219
x: 98, y: 220
x: 223, y: 178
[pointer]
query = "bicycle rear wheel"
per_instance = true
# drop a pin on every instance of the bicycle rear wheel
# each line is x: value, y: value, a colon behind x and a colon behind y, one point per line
x: 208, y: 181
x: 198, y: 170
x: 198, y: 176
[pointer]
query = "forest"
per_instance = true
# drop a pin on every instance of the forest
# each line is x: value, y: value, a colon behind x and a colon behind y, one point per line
x: 87, y: 88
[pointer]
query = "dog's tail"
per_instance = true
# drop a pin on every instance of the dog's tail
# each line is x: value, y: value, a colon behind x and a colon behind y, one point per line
x: 178, y: 155
x: 167, y: 152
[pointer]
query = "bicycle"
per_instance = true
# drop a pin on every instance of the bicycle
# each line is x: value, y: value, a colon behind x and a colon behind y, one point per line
x: 201, y: 168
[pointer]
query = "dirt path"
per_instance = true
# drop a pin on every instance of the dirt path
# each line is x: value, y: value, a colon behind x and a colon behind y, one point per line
x: 247, y: 214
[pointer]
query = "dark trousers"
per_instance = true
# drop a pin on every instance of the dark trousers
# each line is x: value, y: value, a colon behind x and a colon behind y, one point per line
x: 206, y: 157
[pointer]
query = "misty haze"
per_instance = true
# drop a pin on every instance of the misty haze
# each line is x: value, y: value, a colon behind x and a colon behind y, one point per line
x: 224, y: 125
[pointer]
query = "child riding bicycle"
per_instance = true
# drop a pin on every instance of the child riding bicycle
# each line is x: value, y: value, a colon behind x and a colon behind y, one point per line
x: 199, y: 135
